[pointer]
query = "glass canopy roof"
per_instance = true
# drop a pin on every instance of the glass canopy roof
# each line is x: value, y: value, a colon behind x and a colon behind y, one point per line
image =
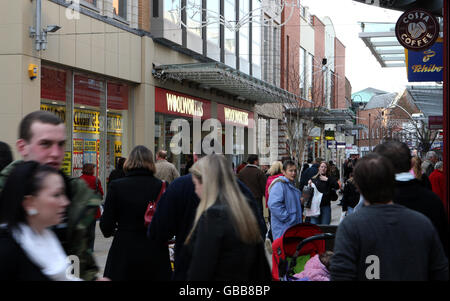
x: 380, y: 38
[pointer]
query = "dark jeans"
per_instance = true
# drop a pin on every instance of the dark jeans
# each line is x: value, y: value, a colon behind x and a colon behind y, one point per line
x: 91, y: 231
x: 324, y: 218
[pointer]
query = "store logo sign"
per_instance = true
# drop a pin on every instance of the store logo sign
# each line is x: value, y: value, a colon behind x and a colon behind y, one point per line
x: 417, y: 29
x: 235, y: 116
x: 184, y: 105
x: 424, y: 66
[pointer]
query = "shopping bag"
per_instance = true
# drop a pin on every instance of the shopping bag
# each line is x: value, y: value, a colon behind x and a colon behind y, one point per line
x: 315, y: 203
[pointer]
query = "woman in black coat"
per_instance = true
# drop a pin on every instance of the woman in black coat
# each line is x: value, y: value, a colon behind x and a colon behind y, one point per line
x: 225, y: 242
x: 327, y: 185
x: 132, y: 255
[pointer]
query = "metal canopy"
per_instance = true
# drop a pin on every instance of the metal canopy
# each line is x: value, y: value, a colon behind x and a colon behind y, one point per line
x: 224, y: 78
x: 324, y: 115
x: 380, y: 39
x: 435, y: 6
x: 428, y: 99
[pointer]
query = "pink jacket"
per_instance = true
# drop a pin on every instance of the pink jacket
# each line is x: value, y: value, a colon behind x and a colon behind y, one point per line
x: 314, y: 271
x: 269, y: 181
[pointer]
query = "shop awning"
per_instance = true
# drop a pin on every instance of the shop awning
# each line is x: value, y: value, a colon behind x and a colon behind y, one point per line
x: 324, y: 115
x: 434, y: 6
x: 380, y: 38
x: 224, y: 78
x: 428, y: 99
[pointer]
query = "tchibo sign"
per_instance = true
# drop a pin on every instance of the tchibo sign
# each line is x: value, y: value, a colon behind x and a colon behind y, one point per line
x: 417, y: 29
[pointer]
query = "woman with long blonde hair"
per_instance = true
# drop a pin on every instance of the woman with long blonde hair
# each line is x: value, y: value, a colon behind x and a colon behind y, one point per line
x: 416, y: 171
x: 225, y: 241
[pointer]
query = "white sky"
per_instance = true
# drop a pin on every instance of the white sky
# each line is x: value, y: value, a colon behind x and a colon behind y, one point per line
x: 361, y: 67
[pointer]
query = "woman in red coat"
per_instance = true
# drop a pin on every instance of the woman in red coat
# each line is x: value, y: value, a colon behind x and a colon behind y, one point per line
x: 438, y: 181
x: 94, y: 183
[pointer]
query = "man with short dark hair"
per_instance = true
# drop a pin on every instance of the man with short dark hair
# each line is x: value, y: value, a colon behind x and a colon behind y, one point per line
x: 408, y: 190
x: 255, y: 179
x: 165, y: 170
x: 384, y: 240
x: 42, y: 138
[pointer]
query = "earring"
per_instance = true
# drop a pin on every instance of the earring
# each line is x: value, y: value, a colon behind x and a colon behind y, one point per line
x: 32, y: 211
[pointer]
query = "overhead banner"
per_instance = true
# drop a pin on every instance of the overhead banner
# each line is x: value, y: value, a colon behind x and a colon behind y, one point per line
x: 427, y: 65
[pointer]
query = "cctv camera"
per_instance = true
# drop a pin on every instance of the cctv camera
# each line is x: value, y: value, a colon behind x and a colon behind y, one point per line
x: 52, y: 28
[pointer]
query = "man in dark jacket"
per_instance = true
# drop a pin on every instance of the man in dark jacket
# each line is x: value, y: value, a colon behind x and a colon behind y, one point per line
x: 42, y: 136
x: 175, y: 214
x: 383, y: 240
x: 255, y: 179
x: 410, y: 193
x: 310, y: 172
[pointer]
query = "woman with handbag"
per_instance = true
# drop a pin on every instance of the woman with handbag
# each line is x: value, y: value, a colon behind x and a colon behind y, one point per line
x: 132, y: 256
x: 327, y: 185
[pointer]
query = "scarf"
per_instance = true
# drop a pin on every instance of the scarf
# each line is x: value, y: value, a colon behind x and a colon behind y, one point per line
x: 45, y: 251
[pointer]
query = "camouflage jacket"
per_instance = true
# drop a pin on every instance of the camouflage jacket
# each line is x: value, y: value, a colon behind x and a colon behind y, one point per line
x: 80, y: 215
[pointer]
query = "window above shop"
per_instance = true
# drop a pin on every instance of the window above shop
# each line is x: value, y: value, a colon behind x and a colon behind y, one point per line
x: 120, y: 8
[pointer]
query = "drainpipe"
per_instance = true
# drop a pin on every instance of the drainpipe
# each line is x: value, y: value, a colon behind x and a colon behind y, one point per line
x: 37, y: 28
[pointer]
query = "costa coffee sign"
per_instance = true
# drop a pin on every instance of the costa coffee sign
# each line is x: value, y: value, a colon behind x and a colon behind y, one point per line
x: 417, y: 29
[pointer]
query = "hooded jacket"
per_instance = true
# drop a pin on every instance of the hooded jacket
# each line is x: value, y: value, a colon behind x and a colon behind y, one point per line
x: 285, y: 207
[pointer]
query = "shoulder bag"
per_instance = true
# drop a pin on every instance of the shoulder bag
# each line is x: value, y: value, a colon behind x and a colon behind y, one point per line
x: 151, y: 208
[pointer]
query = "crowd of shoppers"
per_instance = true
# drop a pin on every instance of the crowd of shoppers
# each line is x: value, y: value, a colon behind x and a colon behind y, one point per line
x: 214, y: 215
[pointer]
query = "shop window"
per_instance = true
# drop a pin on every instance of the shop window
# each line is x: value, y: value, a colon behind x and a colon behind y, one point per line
x: 118, y: 124
x: 98, y: 122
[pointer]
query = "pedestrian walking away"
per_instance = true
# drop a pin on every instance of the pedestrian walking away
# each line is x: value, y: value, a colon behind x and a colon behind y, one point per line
x: 225, y: 241
x: 437, y: 179
x: 255, y: 179
x: 42, y: 137
x: 165, y: 170
x: 131, y: 255
x: 175, y: 215
x: 417, y: 172
x: 409, y: 192
x: 383, y: 240
x: 431, y: 159
x: 118, y: 172
x: 95, y: 184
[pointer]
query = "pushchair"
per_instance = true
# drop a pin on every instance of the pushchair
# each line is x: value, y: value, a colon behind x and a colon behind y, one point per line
x: 298, y: 244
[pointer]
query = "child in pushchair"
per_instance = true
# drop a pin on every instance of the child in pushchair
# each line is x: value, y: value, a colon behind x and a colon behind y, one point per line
x: 296, y: 247
x: 316, y: 269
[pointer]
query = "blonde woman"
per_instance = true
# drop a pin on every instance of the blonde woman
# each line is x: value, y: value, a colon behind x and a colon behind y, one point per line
x: 416, y: 171
x: 275, y: 171
x: 225, y: 242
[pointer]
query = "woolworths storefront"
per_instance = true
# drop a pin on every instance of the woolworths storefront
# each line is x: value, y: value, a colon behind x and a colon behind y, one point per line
x: 172, y: 105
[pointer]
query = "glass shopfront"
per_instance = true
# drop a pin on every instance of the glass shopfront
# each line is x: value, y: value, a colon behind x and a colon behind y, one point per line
x: 97, y: 115
x: 171, y: 105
